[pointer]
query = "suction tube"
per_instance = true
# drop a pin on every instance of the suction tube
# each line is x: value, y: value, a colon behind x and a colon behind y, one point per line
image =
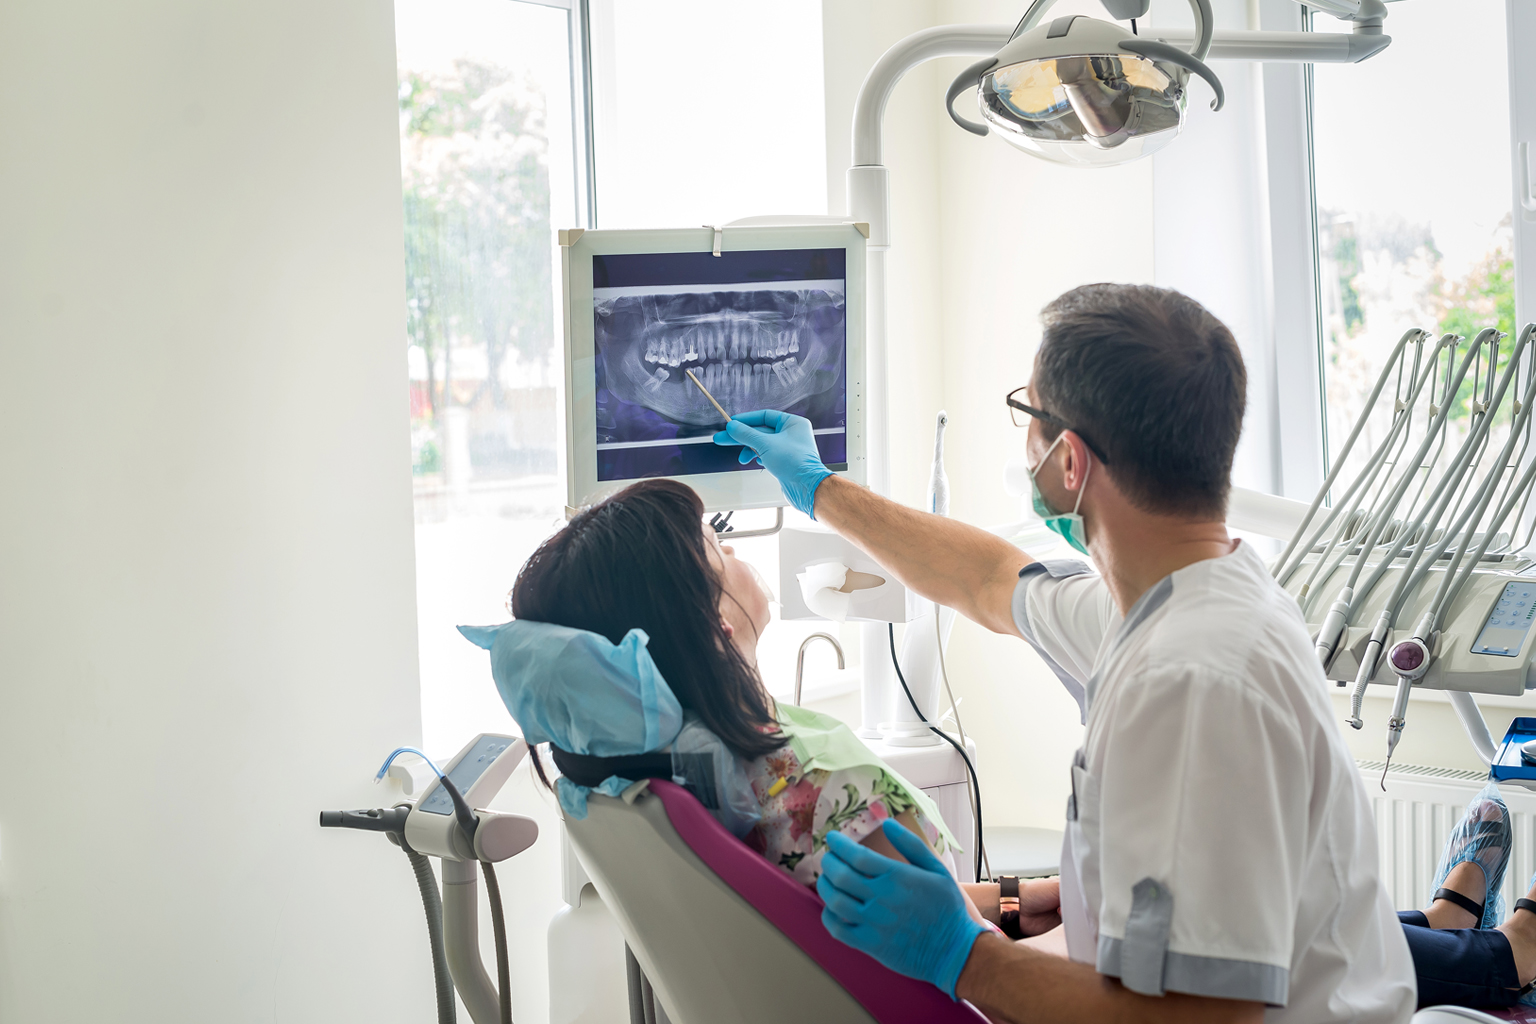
x: 432, y: 903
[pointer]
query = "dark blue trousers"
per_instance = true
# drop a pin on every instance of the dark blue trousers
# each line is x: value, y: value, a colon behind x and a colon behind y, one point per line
x: 1461, y: 966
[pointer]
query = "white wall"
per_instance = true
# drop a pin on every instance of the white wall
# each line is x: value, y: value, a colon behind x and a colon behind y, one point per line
x: 206, y: 597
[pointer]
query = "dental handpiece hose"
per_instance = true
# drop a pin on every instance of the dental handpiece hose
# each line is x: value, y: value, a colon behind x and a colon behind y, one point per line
x: 1417, y: 567
x: 1282, y: 566
x: 1373, y: 536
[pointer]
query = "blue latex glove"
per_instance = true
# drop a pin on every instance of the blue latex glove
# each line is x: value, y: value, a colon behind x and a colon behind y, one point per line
x: 785, y: 446
x: 911, y: 917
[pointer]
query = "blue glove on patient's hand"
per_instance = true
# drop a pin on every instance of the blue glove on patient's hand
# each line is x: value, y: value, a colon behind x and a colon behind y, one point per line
x: 785, y: 446
x: 911, y: 917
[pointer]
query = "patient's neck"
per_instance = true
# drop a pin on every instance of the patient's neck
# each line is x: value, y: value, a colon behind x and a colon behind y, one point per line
x: 745, y: 641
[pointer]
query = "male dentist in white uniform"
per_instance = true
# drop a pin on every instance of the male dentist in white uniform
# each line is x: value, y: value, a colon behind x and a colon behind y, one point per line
x: 1220, y: 860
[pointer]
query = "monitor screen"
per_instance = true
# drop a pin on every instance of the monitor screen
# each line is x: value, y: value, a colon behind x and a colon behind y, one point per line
x: 759, y: 329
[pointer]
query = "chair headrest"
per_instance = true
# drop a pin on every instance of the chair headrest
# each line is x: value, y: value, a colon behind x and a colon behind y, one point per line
x: 584, y: 694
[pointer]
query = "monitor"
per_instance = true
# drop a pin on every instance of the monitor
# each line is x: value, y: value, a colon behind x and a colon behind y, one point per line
x: 772, y: 320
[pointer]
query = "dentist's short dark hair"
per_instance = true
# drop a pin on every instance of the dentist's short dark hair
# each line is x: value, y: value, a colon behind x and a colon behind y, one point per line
x: 1156, y: 381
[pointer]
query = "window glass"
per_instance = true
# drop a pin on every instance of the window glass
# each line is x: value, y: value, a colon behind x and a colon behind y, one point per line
x: 486, y: 161
x: 707, y: 111
x: 1413, y: 198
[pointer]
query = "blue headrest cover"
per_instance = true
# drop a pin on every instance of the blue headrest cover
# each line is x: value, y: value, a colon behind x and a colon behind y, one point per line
x: 585, y: 695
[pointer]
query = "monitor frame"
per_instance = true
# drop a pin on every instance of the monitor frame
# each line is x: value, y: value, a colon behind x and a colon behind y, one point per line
x: 744, y: 489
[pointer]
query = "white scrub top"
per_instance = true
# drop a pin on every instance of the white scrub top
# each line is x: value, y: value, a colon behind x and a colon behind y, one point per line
x: 1219, y: 841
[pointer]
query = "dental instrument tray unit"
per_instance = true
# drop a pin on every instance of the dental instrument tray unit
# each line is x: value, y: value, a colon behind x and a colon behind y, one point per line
x: 758, y: 316
x: 1420, y: 565
x: 448, y: 821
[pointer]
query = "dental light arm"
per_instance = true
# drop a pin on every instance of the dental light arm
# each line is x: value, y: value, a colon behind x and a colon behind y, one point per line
x: 1122, y: 10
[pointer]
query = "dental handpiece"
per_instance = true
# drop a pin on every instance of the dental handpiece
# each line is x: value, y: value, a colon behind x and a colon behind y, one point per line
x: 1410, y: 660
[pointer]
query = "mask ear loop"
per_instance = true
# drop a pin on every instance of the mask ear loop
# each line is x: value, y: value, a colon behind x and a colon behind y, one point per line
x: 1088, y: 465
x: 1036, y: 468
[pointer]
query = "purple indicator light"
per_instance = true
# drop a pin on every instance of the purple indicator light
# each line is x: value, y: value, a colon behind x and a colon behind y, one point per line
x: 1407, y: 656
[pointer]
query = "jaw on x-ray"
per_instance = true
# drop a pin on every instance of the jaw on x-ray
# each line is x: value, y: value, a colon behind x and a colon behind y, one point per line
x: 753, y: 349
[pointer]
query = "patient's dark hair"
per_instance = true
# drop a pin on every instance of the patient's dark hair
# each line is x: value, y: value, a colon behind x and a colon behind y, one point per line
x: 640, y: 559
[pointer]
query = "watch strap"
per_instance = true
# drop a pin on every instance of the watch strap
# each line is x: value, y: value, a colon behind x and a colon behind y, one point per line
x: 1008, y: 906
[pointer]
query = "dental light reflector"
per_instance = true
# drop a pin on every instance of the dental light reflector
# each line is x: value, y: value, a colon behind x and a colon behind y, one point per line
x: 1084, y: 110
x: 1081, y: 91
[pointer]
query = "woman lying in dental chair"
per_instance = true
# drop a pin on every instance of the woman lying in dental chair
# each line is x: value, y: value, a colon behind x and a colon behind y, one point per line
x: 633, y: 653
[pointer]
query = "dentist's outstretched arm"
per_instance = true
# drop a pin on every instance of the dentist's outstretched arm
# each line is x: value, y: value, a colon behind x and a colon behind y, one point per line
x: 955, y: 564
x: 911, y: 918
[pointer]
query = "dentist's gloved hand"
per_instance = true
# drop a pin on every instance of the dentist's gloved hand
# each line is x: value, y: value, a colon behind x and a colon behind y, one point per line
x: 911, y: 917
x: 785, y: 446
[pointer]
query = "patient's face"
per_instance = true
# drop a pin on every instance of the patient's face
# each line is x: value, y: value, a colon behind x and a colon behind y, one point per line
x: 743, y: 603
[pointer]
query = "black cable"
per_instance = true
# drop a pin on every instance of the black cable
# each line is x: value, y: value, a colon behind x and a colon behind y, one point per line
x: 499, y: 926
x: 432, y: 902
x: 890, y: 629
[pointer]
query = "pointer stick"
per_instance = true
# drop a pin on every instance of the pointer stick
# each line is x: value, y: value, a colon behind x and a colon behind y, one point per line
x: 707, y: 395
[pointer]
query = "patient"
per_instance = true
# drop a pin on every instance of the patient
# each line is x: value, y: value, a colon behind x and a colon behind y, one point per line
x: 645, y: 559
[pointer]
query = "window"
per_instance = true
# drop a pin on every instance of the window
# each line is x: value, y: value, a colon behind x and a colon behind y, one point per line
x: 707, y: 111
x: 677, y: 145
x: 495, y: 155
x: 1413, y: 198
x: 489, y: 161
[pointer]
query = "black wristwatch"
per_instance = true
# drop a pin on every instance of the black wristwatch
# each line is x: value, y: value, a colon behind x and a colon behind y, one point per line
x: 1008, y: 906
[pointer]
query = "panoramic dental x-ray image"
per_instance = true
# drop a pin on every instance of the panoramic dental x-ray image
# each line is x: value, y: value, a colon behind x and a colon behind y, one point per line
x: 763, y: 329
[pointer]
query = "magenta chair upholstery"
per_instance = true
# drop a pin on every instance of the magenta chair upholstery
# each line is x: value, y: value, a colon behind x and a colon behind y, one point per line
x: 724, y: 936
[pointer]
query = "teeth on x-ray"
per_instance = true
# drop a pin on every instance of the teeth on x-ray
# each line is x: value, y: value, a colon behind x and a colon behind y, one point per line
x: 763, y: 350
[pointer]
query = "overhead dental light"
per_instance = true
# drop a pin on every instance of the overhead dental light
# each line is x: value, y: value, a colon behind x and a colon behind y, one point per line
x: 1077, y: 90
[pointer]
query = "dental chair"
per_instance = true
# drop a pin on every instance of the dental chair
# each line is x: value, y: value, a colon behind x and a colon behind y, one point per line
x: 722, y: 935
x: 1462, y: 1015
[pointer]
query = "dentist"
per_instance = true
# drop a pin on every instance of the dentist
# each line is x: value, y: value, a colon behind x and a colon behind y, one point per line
x: 1220, y: 858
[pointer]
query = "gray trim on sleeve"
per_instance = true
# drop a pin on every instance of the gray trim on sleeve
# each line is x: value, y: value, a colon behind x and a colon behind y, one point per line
x: 1145, y: 946
x: 1056, y: 570
x: 1206, y: 975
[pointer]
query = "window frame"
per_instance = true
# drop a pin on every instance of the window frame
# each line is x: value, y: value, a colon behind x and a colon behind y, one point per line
x: 1305, y: 456
x: 579, y: 32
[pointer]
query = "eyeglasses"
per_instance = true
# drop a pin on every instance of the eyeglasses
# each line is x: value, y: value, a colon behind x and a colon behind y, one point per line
x: 1021, y: 414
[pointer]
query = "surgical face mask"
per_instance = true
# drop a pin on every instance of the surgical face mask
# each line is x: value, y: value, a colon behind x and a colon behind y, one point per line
x: 1068, y: 525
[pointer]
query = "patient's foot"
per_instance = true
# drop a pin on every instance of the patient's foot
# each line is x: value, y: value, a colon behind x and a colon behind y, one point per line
x: 1520, y: 930
x: 1465, y: 879
x: 1472, y: 866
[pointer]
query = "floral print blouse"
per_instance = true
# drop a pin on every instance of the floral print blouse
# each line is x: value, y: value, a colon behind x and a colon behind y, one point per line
x: 800, y: 808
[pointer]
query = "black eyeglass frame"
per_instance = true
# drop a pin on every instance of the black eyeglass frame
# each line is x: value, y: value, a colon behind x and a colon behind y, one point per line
x: 1052, y: 419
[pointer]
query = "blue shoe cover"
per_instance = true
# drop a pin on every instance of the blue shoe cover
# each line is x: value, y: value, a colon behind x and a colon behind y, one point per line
x: 1484, y: 837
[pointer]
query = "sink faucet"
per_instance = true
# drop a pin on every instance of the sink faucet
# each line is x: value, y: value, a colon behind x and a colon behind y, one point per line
x: 800, y: 658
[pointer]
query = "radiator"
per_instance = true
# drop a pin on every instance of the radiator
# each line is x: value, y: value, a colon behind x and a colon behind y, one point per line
x: 1416, y: 813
